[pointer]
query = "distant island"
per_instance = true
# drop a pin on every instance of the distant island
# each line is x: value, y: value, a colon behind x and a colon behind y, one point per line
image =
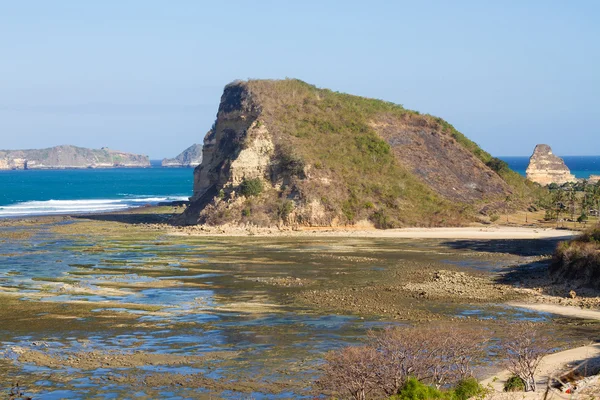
x: 189, y: 158
x: 70, y: 157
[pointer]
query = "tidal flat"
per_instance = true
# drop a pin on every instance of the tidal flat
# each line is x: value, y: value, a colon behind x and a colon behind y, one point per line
x: 94, y: 308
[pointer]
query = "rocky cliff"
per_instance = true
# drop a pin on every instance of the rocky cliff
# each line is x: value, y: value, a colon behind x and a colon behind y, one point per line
x: 286, y: 152
x: 67, y: 157
x: 546, y: 168
x: 190, y: 157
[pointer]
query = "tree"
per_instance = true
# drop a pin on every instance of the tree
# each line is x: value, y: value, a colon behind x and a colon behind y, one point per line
x: 523, y: 349
x: 251, y: 187
x: 351, y: 371
x: 437, y: 355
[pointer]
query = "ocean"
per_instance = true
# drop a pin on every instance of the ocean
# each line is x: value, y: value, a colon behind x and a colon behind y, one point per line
x: 29, y: 193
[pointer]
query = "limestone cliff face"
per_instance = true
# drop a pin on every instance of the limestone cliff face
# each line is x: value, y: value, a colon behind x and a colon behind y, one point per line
x: 326, y: 159
x: 546, y: 168
x: 70, y: 157
x: 190, y: 157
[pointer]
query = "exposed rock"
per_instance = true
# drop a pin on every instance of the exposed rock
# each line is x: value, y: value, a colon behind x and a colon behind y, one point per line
x: 329, y: 159
x: 593, y: 179
x: 190, y: 157
x: 68, y: 157
x: 546, y: 168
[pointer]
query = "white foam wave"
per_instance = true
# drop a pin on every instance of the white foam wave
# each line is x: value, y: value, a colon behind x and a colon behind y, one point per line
x: 50, y: 207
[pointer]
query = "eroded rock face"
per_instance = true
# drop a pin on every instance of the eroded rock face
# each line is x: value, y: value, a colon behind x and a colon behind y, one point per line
x: 546, y: 168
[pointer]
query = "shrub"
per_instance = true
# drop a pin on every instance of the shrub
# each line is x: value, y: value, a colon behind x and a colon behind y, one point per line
x: 436, y: 355
x: 350, y: 371
x: 467, y: 388
x: 290, y: 163
x: 498, y: 165
x: 251, y: 187
x: 413, y: 389
x: 380, y: 220
x: 514, y: 384
x: 285, y: 209
x: 523, y: 349
x: 579, y: 259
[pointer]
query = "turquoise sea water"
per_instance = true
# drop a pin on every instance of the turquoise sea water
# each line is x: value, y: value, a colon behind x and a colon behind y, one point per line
x: 71, y: 191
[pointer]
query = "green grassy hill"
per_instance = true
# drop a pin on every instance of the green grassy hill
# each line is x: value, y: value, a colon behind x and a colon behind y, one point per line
x: 328, y: 158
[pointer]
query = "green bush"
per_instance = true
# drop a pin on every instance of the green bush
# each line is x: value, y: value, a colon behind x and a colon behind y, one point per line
x: 285, y: 209
x: 381, y: 220
x: 413, y: 389
x: 467, y: 388
x: 514, y: 384
x: 251, y: 187
x: 498, y: 165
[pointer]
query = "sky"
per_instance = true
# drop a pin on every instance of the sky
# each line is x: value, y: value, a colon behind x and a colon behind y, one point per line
x: 146, y: 76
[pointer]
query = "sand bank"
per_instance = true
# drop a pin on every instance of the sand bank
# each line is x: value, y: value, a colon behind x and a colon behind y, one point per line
x: 483, y: 233
x: 565, y: 311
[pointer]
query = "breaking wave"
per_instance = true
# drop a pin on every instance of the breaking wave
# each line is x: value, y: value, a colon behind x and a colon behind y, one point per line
x: 49, y: 207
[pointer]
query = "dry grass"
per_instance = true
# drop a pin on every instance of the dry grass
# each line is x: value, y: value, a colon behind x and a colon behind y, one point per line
x: 579, y: 259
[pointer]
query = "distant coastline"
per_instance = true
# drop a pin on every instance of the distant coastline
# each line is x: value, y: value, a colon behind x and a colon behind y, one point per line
x: 70, y: 157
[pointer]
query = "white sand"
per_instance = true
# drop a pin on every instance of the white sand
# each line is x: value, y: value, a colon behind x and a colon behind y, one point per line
x: 484, y: 232
x: 565, y: 311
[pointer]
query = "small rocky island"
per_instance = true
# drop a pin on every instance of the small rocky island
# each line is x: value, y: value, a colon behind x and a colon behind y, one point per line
x: 70, y: 157
x: 189, y: 158
x: 287, y: 152
x: 546, y: 168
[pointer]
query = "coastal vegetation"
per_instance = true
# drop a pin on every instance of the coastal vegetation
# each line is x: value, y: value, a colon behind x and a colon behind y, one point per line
x: 578, y: 260
x: 575, y: 202
x: 425, y: 362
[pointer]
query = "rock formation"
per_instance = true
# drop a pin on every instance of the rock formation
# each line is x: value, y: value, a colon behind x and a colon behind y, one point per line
x: 70, y: 157
x: 546, y: 168
x: 594, y: 179
x: 326, y: 158
x: 190, y: 157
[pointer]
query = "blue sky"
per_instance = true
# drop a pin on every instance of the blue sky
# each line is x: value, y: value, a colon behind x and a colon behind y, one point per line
x: 146, y: 76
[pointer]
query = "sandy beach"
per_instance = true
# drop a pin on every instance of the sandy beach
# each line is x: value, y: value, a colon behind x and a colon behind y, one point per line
x: 474, y: 232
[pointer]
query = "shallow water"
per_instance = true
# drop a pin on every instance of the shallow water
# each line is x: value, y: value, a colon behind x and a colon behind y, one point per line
x: 197, y: 296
